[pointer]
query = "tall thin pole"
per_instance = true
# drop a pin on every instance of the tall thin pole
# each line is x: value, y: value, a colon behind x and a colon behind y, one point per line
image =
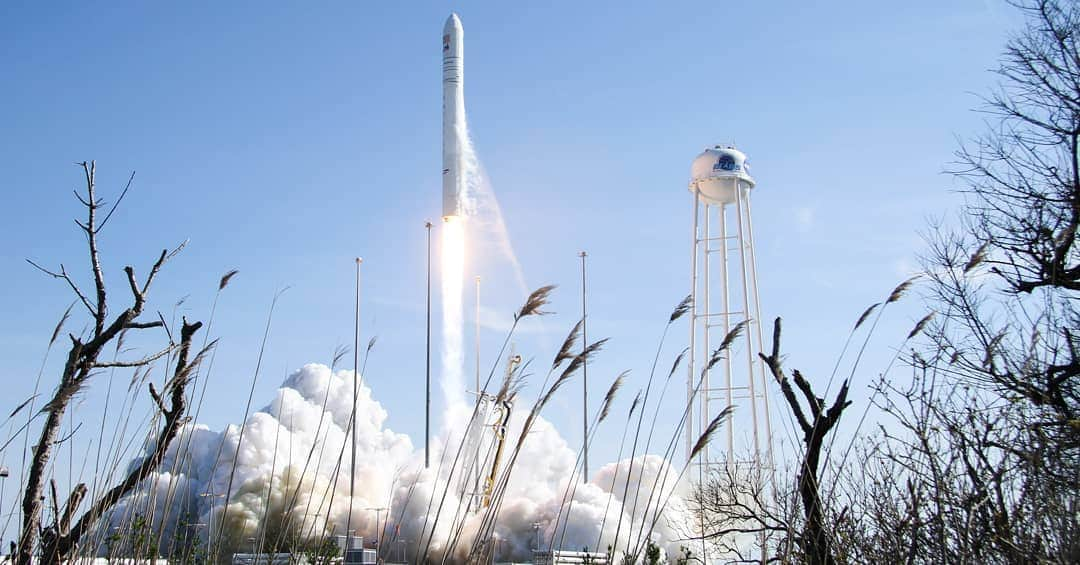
x: 761, y: 340
x: 352, y: 419
x: 378, y: 531
x: 726, y: 297
x: 477, y: 338
x: 740, y: 198
x: 706, y: 326
x: 427, y: 386
x: 584, y: 378
x: 690, y: 366
x: 479, y: 395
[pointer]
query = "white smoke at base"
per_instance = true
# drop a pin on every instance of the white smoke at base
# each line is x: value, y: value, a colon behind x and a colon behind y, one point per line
x: 291, y: 473
x: 290, y: 476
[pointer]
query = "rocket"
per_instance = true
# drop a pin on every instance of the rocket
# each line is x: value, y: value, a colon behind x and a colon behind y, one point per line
x: 453, y: 174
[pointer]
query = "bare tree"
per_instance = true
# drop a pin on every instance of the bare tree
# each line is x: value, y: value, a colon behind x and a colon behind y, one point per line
x: 981, y: 462
x: 1023, y: 174
x: 815, y: 423
x: 733, y: 503
x: 738, y: 514
x: 1023, y: 179
x: 60, y: 539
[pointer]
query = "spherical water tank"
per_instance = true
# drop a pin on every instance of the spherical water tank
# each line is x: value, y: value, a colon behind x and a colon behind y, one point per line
x: 718, y: 172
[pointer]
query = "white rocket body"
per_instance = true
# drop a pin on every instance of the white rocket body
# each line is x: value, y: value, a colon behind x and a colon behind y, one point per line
x: 453, y: 52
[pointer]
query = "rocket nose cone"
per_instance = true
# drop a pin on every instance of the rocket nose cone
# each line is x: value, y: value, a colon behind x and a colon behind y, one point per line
x: 453, y: 23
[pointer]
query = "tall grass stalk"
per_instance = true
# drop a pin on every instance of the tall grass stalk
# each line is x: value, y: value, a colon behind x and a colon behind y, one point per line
x: 699, y: 445
x: 247, y: 411
x: 533, y: 306
x: 423, y: 546
x: 572, y: 484
x: 31, y: 414
x: 866, y: 410
x: 512, y: 384
x: 339, y: 354
x: 184, y: 446
x: 897, y: 293
x: 261, y: 535
x: 405, y: 504
x: 683, y: 307
x: 678, y: 312
x: 656, y: 414
x: 714, y: 358
x: 615, y: 476
x: 669, y: 452
x: 492, y: 513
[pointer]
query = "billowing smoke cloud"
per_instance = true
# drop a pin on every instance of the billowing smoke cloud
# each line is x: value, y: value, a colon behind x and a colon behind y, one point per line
x: 291, y: 477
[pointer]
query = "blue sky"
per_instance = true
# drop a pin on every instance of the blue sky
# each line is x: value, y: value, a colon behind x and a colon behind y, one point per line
x: 284, y: 139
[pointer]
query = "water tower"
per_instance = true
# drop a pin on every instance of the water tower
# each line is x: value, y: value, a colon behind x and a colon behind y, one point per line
x: 724, y: 289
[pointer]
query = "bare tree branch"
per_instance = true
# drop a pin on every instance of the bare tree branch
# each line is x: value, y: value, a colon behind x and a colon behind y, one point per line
x: 138, y: 362
x: 117, y: 203
x: 63, y: 275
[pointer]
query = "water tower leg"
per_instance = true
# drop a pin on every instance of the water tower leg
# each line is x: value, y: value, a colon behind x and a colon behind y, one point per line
x: 693, y: 327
